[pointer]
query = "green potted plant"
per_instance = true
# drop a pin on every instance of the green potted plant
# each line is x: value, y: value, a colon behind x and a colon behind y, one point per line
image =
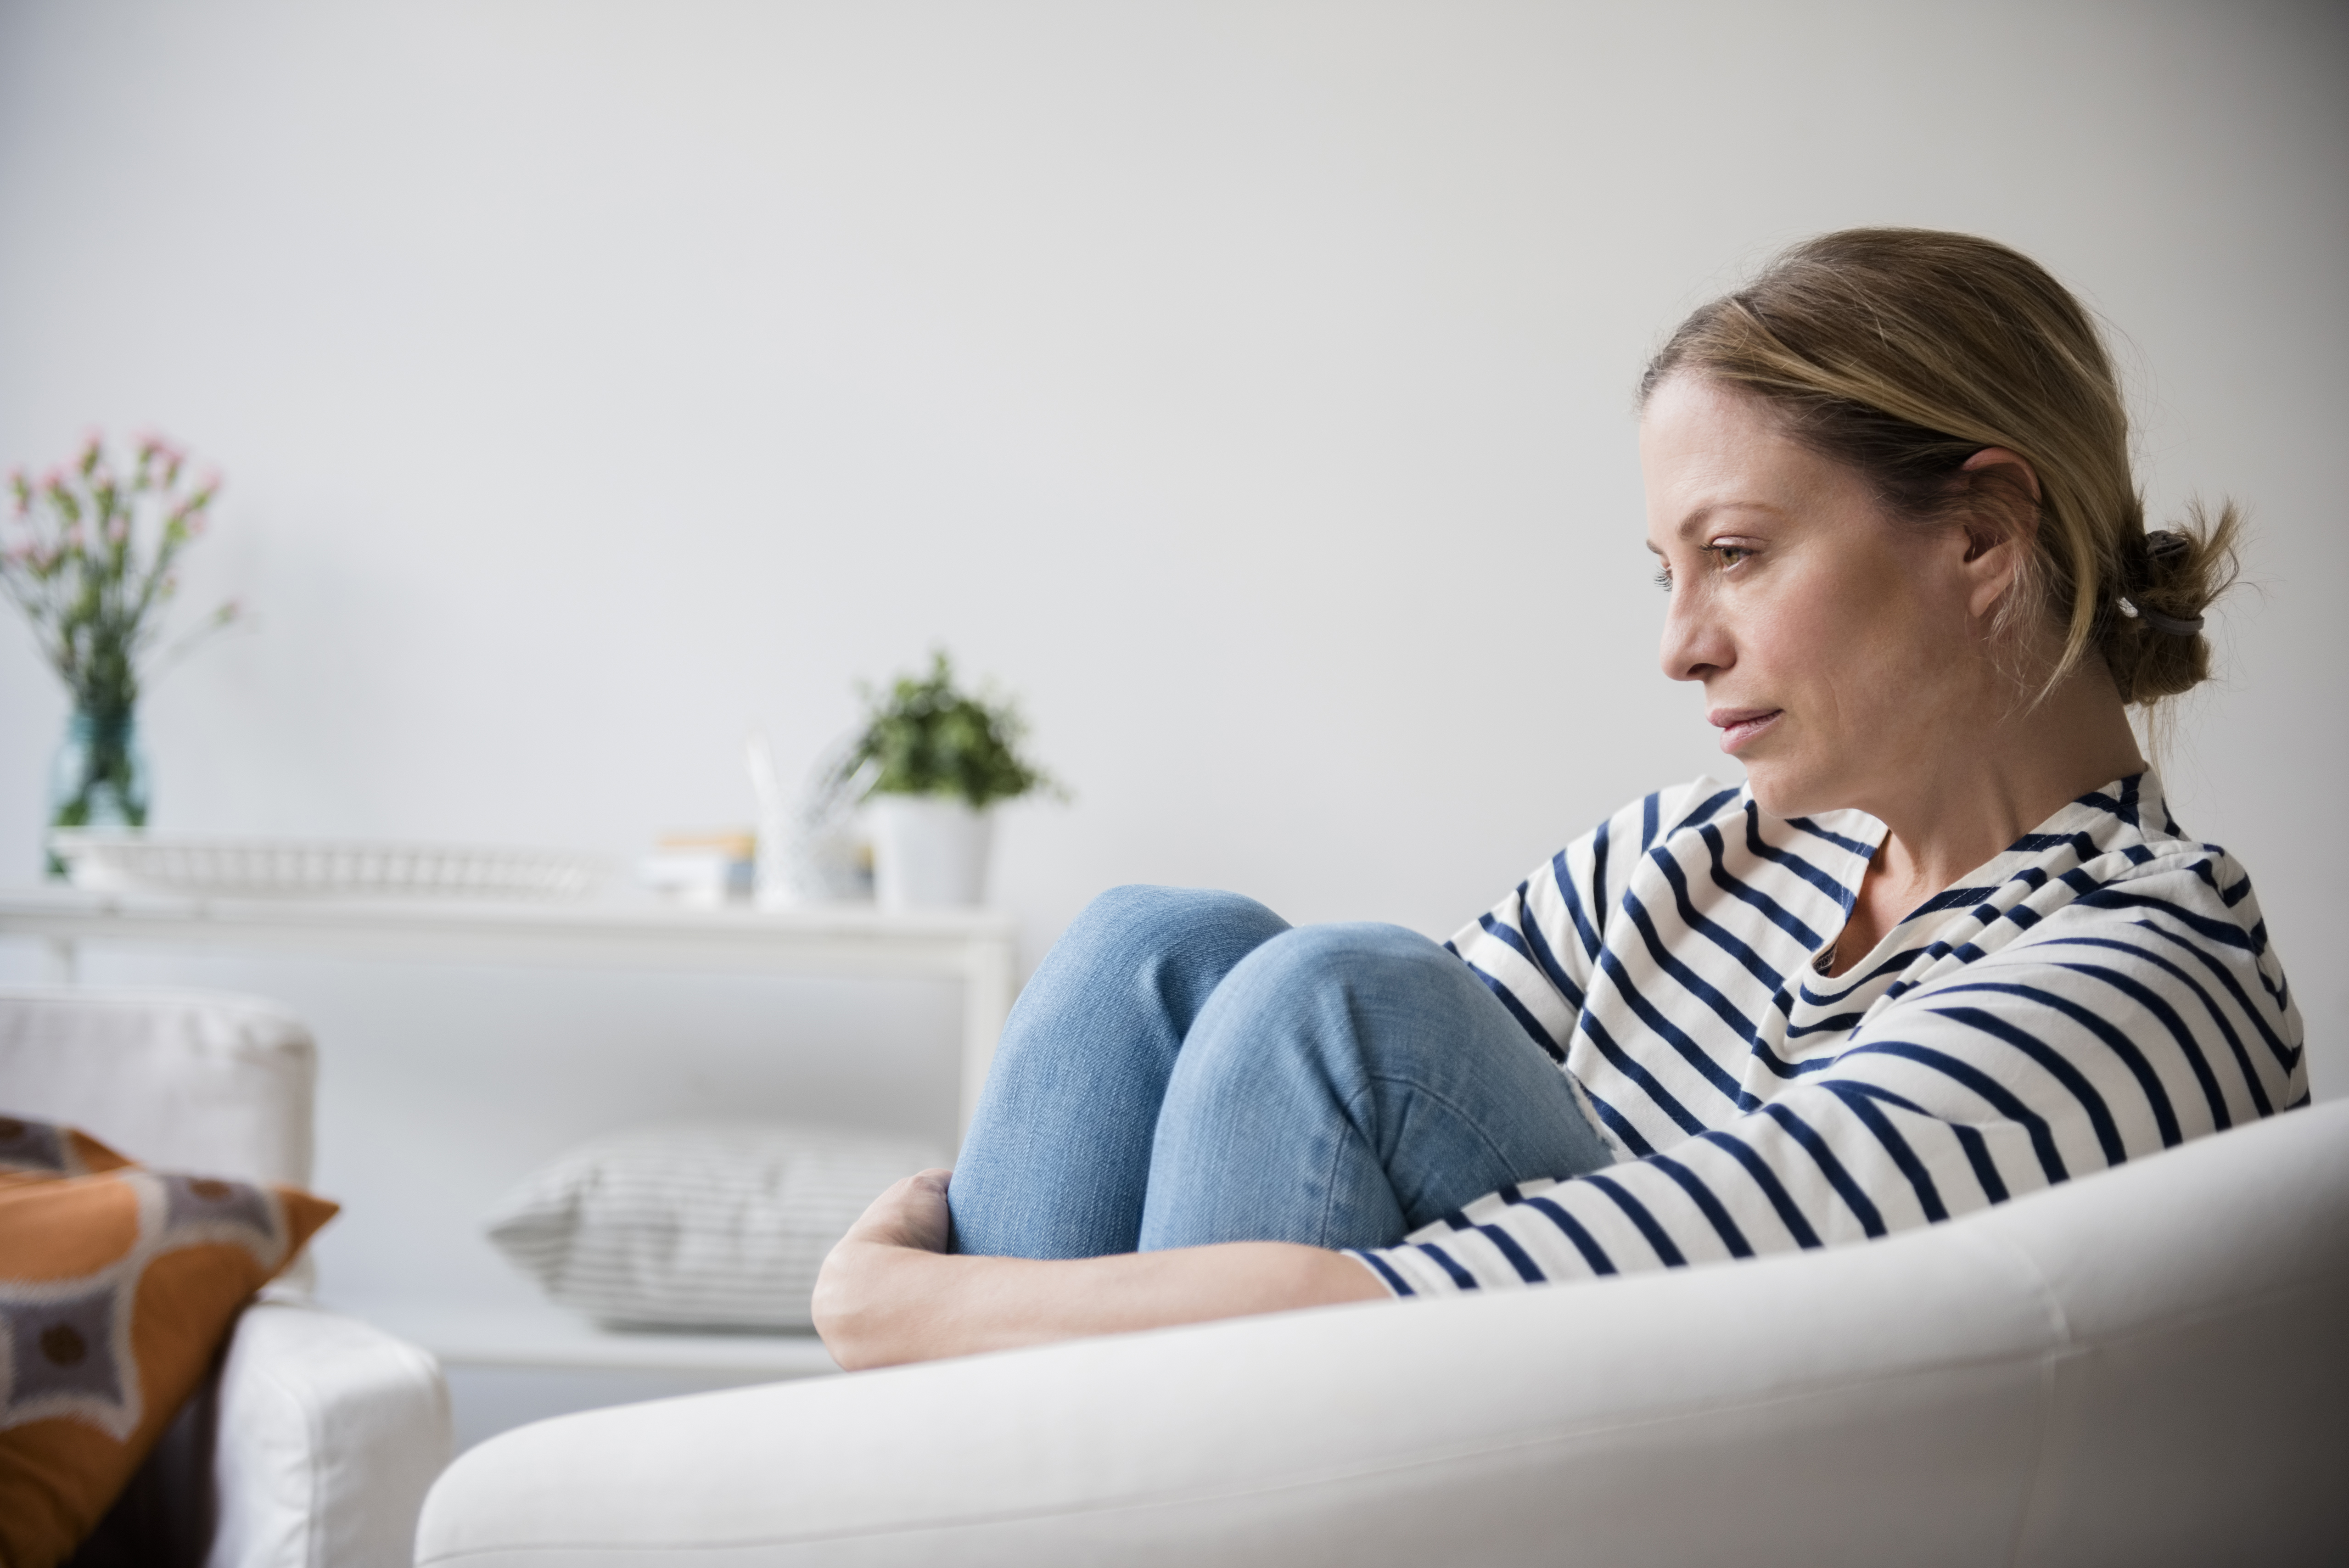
x: 91, y: 555
x: 934, y: 761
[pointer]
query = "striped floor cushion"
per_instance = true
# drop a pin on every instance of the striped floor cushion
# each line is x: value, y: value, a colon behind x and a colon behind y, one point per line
x: 700, y: 1225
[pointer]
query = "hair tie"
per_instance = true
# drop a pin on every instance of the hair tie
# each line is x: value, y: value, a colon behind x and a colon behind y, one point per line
x: 2162, y: 546
x: 2171, y: 625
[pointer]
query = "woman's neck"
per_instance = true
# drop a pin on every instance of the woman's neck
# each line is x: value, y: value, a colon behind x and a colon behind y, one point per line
x: 1953, y: 813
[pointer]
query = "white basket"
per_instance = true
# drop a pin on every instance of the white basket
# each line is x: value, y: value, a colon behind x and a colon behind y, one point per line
x: 279, y: 868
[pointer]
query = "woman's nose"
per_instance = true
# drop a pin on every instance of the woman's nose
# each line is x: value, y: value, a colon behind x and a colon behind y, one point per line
x: 1695, y: 643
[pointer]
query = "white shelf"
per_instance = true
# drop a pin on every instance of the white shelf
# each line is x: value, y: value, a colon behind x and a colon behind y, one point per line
x: 975, y: 946
x: 549, y: 1337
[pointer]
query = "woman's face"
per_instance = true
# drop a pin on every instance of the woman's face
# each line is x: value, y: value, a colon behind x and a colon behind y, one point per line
x: 1840, y: 649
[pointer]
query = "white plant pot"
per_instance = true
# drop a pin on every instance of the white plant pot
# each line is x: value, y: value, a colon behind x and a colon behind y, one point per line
x: 929, y: 852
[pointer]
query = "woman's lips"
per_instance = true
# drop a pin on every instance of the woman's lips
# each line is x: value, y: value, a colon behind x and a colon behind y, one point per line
x: 1741, y: 725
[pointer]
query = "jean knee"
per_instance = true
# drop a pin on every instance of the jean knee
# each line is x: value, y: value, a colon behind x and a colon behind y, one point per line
x: 1351, y: 953
x: 1309, y: 990
x: 1140, y: 919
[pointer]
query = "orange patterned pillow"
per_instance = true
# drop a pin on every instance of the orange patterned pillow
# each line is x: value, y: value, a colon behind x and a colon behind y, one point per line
x: 118, y: 1284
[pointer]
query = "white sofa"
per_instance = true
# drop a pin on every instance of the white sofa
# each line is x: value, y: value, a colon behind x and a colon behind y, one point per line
x: 2145, y: 1366
x: 316, y: 1443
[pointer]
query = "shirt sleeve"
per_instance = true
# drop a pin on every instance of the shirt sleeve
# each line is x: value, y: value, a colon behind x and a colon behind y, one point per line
x: 2115, y: 1027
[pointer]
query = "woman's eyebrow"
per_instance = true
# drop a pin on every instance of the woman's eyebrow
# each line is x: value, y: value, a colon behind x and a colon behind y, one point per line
x: 1696, y: 519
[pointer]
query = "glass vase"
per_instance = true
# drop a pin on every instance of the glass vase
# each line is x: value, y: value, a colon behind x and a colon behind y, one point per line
x: 98, y: 778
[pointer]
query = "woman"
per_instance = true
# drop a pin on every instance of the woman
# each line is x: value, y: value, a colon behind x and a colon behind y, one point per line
x: 1946, y: 944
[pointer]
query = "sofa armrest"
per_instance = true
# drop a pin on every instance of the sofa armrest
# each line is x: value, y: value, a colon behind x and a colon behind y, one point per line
x: 330, y: 1433
x: 2142, y: 1367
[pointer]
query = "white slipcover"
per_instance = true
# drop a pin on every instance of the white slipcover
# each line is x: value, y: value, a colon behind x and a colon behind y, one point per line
x: 330, y: 1434
x: 180, y: 1081
x: 2145, y: 1366
x: 328, y: 1431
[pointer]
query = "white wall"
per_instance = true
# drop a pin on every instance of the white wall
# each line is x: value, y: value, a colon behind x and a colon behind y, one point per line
x: 1247, y: 386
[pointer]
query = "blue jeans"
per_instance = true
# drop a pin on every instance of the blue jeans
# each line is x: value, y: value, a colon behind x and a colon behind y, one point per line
x: 1186, y: 1067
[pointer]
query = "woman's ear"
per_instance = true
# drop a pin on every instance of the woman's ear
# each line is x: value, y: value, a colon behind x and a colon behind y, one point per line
x: 2002, y: 523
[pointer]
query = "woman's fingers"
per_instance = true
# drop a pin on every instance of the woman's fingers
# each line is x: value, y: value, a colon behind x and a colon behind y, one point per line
x: 928, y: 1223
x: 862, y: 1295
x: 911, y: 1214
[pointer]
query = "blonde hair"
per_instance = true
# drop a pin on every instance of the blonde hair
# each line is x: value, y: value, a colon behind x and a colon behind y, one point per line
x: 1903, y: 352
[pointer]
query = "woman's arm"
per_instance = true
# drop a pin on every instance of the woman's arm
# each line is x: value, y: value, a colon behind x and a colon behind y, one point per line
x: 890, y: 1293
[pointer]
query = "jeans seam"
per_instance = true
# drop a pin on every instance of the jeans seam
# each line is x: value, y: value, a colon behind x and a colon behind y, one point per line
x: 1466, y: 1120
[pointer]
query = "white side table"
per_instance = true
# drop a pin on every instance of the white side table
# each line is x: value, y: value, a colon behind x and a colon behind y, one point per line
x: 975, y: 946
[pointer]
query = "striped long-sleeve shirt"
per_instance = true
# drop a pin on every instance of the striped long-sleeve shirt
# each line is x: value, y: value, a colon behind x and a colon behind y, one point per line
x: 2103, y: 989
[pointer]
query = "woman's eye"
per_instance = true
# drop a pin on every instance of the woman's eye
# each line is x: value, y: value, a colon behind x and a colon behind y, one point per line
x: 1729, y: 555
x: 1664, y: 578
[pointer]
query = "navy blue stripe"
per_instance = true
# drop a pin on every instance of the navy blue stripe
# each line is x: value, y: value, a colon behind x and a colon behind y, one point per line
x: 1562, y: 875
x: 1790, y: 861
x: 1707, y: 1204
x: 1870, y: 1222
x: 1849, y: 846
x: 1544, y: 959
x: 1836, y: 1023
x: 1976, y: 1147
x: 1395, y: 1282
x: 1704, y: 811
x: 1622, y: 1062
x: 2168, y: 1016
x: 1950, y: 898
x: 1507, y: 1246
x: 1986, y: 1171
x: 1593, y: 1254
x: 1493, y: 926
x: 2287, y: 1055
x: 1747, y: 959
x: 1789, y: 1214
x: 1460, y: 1277
x: 1648, y: 822
x: 2125, y: 808
x: 1855, y: 1099
x: 1616, y: 1122
x: 1665, y: 1251
x: 2058, y: 1066
x: 1600, y: 904
x: 2082, y: 846
x: 2207, y: 871
x: 1684, y: 1044
x: 1993, y: 1093
x: 1737, y: 888
x: 2164, y: 1118
x: 1525, y: 1021
x: 1856, y: 979
x: 2218, y: 931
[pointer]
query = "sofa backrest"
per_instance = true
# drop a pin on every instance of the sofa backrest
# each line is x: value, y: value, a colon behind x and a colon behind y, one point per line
x: 185, y: 1080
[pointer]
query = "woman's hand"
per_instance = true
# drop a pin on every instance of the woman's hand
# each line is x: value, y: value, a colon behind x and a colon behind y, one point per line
x: 891, y: 1293
x: 864, y: 1292
x: 911, y: 1214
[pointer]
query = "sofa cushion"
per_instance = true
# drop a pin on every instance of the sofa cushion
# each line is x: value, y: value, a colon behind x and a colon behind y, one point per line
x: 118, y: 1284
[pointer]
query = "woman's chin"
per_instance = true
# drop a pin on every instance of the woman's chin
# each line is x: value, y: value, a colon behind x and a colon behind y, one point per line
x: 1784, y: 789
